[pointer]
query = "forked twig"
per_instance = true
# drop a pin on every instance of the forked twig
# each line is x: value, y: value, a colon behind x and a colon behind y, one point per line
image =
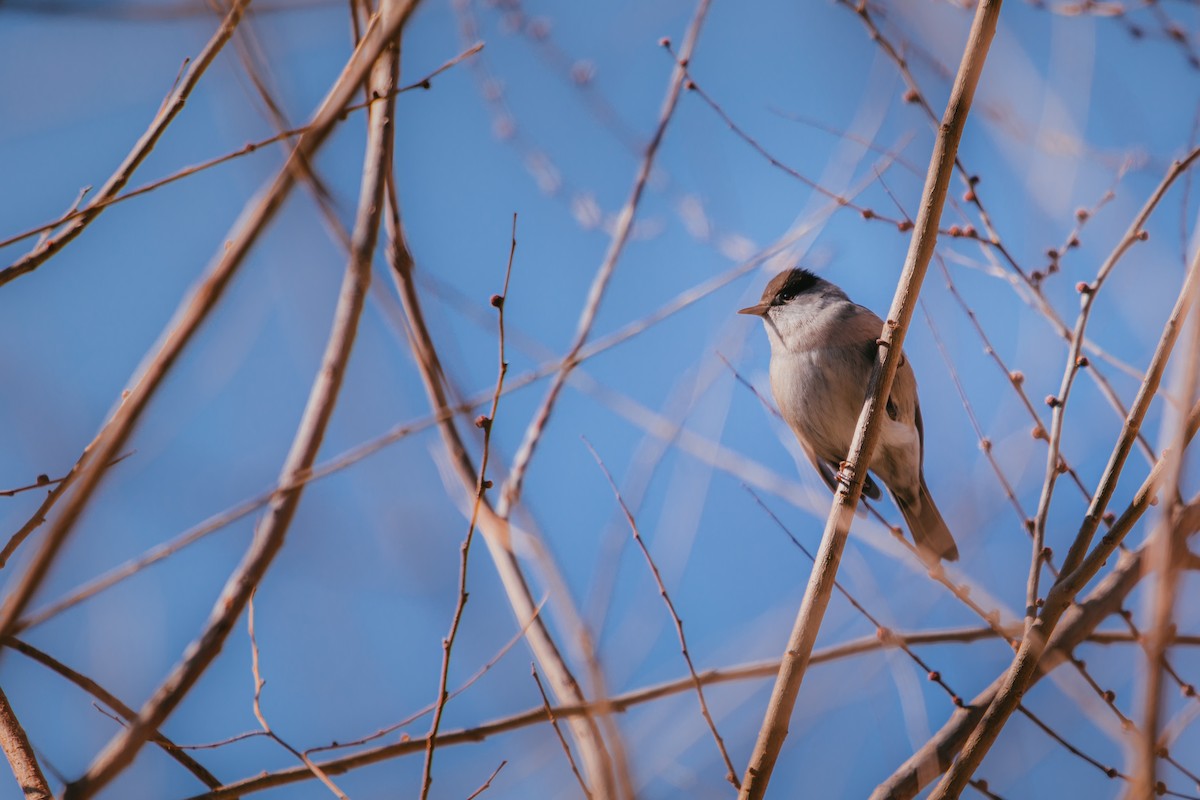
x: 317, y: 772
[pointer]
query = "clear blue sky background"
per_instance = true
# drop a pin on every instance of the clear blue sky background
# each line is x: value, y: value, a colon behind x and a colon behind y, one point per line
x: 351, y: 614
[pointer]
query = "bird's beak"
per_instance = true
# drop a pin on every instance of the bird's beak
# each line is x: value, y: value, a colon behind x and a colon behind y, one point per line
x: 759, y: 310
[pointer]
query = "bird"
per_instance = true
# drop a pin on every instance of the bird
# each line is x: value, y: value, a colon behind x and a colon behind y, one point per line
x: 823, y: 349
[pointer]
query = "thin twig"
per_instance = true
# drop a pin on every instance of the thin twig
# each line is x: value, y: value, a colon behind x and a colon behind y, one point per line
x: 317, y: 772
x: 511, y: 492
x: 495, y: 529
x: 618, y: 703
x: 562, y: 740
x: 170, y: 108
x: 481, y: 487
x: 124, y: 712
x: 60, y: 487
x: 1077, y: 569
x: 730, y: 774
x: 488, y: 783
x: 820, y: 586
x: 246, y: 149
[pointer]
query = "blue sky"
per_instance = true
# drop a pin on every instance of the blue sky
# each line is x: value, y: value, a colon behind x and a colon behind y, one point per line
x: 351, y: 614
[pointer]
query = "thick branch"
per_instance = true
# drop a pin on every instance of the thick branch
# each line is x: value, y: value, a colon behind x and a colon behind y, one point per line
x: 816, y: 595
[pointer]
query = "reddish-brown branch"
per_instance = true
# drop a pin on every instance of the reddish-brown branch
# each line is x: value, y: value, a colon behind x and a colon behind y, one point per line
x: 20, y: 755
x: 730, y: 774
x: 1077, y: 570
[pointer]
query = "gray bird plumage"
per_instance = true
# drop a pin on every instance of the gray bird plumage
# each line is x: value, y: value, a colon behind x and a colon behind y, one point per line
x: 822, y: 353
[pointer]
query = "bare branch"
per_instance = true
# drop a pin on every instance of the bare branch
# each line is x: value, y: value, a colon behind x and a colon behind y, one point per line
x: 106, y: 697
x: 1076, y: 569
x: 820, y: 586
x: 619, y: 703
x: 562, y: 741
x: 20, y: 754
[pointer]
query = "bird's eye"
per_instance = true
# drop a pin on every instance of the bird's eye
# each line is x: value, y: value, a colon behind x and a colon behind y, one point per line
x: 784, y: 296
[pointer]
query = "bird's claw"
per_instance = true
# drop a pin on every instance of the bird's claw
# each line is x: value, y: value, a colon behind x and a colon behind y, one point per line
x: 845, y: 473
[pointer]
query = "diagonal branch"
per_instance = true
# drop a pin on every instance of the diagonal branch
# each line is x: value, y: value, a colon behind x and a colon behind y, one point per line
x: 938, y: 752
x: 269, y: 534
x: 21, y: 757
x: 1167, y: 562
x: 170, y: 108
x: 511, y: 493
x: 866, y: 433
x: 730, y: 774
x: 1076, y: 362
x: 495, y: 529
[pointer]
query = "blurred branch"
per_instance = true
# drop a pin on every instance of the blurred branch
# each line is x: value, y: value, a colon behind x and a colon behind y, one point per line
x: 262, y: 719
x: 20, y: 754
x: 837, y: 528
x: 511, y: 492
x: 1077, y: 570
x: 618, y: 703
x: 95, y: 460
x: 166, y: 114
x: 1170, y: 544
x: 106, y: 697
x: 1078, y: 624
x: 269, y: 534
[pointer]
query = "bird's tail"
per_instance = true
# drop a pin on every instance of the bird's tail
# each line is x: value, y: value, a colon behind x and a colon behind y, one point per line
x: 928, y: 528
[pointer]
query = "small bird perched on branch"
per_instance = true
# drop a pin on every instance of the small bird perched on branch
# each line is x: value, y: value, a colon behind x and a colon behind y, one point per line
x: 823, y: 349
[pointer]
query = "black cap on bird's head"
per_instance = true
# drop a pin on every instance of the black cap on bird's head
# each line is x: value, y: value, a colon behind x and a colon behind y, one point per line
x: 783, y: 287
